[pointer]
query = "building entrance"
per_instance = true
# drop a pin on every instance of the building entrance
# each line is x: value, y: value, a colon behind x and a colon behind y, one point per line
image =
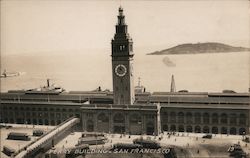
x: 150, y: 129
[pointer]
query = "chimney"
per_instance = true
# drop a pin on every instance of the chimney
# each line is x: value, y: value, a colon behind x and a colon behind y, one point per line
x: 172, y: 88
x: 48, y: 83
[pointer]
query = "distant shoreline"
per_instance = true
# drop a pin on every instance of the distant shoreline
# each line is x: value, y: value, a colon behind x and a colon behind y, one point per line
x: 200, y: 48
x: 197, y: 53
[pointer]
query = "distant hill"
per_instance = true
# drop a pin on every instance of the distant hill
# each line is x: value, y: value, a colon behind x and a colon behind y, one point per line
x: 198, y: 48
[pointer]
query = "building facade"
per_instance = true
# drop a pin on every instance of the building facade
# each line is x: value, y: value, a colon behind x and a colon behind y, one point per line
x: 151, y: 114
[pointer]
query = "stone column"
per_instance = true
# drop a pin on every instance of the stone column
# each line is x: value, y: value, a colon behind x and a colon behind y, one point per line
x: 127, y: 126
x: 143, y: 124
x: 95, y: 121
x: 156, y: 129
x: 110, y: 122
x: 158, y: 119
x: 210, y: 119
x: 219, y: 122
x: 83, y: 122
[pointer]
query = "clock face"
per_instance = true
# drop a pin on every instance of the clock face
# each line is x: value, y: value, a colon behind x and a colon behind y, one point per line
x: 120, y: 70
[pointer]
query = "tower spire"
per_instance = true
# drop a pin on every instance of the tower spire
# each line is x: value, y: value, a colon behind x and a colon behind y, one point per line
x: 121, y: 17
x: 172, y: 89
x: 139, y: 82
x: 122, y: 63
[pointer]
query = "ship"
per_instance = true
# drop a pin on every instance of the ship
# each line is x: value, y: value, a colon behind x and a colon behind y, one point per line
x: 9, y: 74
x: 47, y: 89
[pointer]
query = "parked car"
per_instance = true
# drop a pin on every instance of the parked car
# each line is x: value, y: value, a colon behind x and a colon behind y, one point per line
x: 208, y: 136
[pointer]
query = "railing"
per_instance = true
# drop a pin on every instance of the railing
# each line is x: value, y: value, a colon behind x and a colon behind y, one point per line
x: 40, y: 141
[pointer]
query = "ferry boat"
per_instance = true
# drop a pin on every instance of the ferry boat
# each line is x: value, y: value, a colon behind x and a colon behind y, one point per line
x: 9, y: 74
x: 49, y: 89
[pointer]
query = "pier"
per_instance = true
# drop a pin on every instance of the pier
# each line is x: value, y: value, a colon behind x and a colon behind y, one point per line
x: 48, y: 140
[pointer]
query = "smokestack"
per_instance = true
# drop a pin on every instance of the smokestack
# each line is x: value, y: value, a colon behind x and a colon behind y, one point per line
x: 172, y: 88
x: 48, y: 83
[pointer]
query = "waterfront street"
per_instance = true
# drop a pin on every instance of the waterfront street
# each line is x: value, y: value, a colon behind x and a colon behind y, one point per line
x: 185, y: 144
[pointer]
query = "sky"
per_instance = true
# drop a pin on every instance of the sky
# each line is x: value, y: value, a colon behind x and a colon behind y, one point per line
x: 36, y: 26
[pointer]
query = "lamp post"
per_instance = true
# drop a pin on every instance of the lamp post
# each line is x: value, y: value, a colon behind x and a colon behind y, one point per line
x: 0, y: 141
x: 140, y: 123
x: 243, y: 135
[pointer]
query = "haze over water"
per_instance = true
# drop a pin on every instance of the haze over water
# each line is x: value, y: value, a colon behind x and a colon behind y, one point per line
x: 81, y: 72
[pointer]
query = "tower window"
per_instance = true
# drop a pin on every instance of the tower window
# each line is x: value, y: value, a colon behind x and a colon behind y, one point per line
x: 122, y: 47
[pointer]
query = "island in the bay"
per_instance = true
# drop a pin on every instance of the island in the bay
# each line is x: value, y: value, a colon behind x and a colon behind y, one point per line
x: 198, y: 48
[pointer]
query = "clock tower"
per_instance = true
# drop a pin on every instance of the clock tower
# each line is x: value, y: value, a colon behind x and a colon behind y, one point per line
x: 122, y: 63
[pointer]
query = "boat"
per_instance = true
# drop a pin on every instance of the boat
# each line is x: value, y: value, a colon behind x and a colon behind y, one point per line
x: 48, y: 89
x: 9, y: 74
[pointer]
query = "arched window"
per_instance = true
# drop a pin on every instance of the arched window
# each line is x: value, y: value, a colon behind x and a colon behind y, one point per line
x: 164, y: 116
x: 233, y: 119
x: 197, y: 129
x: 172, y: 117
x: 40, y: 122
x: 58, y: 122
x: 46, y: 122
x: 28, y: 121
x: 223, y: 118
x: 52, y: 122
x: 189, y: 117
x: 165, y: 127
x: 34, y: 122
x: 197, y: 118
x: 223, y: 130
x: 233, y: 131
x: 206, y: 118
x: 172, y: 128
x: 181, y: 128
x: 119, y: 118
x: 215, y: 118
x: 215, y: 130
x: 206, y: 129
x: 102, y: 118
x: 90, y: 126
x: 189, y: 129
x: 135, y: 119
x: 180, y: 117
x: 242, y: 119
x: 242, y: 131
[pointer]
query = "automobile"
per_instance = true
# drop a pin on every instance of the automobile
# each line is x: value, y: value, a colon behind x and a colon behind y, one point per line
x: 240, y: 154
x: 208, y: 136
x: 234, y: 148
x: 147, y: 144
x: 246, y: 139
x: 38, y: 132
